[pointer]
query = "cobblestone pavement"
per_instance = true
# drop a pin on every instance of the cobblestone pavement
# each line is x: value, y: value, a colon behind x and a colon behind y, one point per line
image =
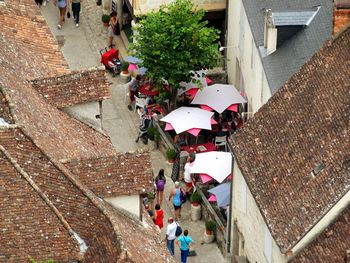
x: 80, y: 47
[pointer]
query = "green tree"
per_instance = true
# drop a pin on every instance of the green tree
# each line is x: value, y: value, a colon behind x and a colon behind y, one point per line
x: 173, y: 41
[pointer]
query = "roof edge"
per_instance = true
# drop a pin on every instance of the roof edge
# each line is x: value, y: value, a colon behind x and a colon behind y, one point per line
x: 321, y: 224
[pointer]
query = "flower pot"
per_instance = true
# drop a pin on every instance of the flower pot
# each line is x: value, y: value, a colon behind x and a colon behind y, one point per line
x: 106, y: 24
x: 170, y: 161
x: 195, y: 203
x: 125, y: 76
x: 208, y: 238
x: 196, y: 212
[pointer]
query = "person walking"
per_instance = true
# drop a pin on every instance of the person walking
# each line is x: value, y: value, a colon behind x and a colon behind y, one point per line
x: 160, y: 184
x: 185, y: 243
x: 62, y: 6
x: 171, y: 235
x: 175, y: 194
x: 133, y: 85
x: 76, y: 6
x: 115, y: 23
x: 159, y: 215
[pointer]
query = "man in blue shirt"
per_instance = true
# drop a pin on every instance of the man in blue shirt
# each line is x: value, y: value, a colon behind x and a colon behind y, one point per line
x: 184, y: 242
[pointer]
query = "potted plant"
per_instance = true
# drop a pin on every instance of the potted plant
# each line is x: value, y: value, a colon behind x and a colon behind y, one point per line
x: 196, y: 209
x: 157, y: 138
x: 105, y: 20
x: 170, y: 155
x: 125, y: 67
x: 151, y: 133
x: 210, y: 227
x: 196, y: 198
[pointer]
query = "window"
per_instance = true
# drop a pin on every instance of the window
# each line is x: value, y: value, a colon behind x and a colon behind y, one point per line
x: 243, y: 196
x: 268, y: 245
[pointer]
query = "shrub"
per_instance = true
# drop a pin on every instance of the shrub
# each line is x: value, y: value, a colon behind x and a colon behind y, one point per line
x: 106, y: 18
x: 196, y: 197
x: 210, y: 225
x: 170, y: 154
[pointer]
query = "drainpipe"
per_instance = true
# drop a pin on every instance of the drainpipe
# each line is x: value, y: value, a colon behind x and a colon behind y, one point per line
x: 229, y: 221
x: 226, y: 30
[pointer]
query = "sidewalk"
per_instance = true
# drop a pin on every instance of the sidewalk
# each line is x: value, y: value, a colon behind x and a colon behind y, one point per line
x: 80, y: 46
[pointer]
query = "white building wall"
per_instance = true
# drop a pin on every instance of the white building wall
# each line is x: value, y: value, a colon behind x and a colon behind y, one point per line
x: 129, y: 203
x: 251, y: 225
x: 241, y: 49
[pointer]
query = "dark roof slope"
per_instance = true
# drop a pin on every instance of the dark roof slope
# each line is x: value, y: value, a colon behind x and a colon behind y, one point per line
x: 74, y: 88
x: 76, y: 208
x: 305, y: 123
x: 29, y: 228
x: 289, y: 57
x: 122, y: 174
x: 332, y: 245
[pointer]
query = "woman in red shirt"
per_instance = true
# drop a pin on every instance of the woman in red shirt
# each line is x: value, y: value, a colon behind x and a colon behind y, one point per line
x: 159, y: 215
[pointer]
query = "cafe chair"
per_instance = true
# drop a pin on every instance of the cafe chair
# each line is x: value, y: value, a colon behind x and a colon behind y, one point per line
x: 139, y: 102
x: 220, y: 141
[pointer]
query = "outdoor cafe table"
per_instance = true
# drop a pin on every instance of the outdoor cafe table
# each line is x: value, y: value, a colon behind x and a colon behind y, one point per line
x: 148, y: 90
x: 193, y: 148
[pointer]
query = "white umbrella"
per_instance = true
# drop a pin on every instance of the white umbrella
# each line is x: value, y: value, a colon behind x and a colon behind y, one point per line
x: 217, y: 165
x: 187, y: 118
x: 218, y: 96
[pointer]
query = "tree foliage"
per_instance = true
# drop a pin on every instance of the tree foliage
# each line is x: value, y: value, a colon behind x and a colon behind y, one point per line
x: 175, y: 40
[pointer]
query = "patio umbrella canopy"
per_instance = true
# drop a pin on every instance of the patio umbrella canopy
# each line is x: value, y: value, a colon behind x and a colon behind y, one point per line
x: 187, y: 118
x: 133, y: 60
x: 222, y: 194
x: 218, y: 97
x: 217, y: 165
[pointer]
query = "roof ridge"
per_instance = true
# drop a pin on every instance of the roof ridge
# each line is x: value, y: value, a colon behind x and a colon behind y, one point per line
x: 115, y: 154
x: 10, y: 104
x: 69, y: 74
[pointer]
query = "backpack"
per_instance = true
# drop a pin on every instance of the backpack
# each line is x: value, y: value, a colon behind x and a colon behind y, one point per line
x: 160, y: 185
x: 183, y: 196
x: 178, y: 230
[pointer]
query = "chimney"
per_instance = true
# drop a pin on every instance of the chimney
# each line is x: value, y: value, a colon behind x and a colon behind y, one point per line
x: 270, y: 33
x: 341, y: 15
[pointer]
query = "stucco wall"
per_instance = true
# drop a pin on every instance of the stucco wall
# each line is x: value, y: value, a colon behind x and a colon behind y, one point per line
x: 241, y: 48
x: 129, y: 203
x: 86, y: 113
x: 251, y: 224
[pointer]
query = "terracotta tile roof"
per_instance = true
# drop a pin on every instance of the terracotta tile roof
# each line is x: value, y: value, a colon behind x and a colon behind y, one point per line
x: 74, y: 88
x: 23, y: 23
x: 70, y: 201
x: 122, y: 174
x: 47, y: 125
x: 37, y: 232
x: 304, y: 123
x: 143, y: 240
x: 332, y: 245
